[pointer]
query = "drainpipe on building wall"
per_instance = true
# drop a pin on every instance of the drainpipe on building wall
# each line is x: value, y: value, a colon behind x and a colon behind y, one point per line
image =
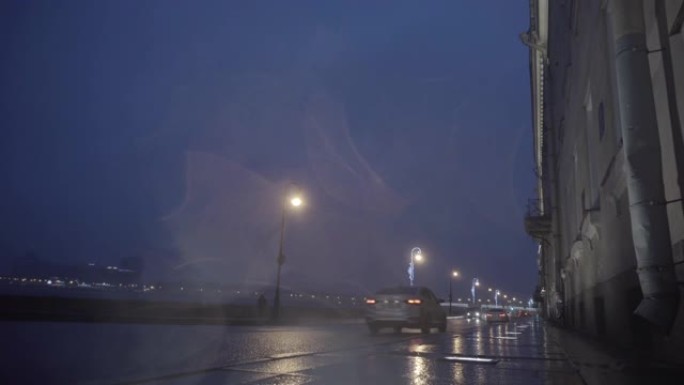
x: 556, y: 248
x: 668, y: 71
x: 643, y: 167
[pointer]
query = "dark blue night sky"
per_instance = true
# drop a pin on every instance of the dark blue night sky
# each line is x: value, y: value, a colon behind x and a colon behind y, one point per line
x: 171, y: 130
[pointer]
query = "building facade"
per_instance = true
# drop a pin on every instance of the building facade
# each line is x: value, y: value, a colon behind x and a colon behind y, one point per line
x: 607, y: 81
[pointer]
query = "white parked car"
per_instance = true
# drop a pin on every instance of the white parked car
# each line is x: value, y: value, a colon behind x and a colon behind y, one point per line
x: 410, y: 307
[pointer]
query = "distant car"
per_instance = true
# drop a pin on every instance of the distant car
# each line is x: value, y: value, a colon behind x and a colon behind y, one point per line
x: 519, y: 313
x: 410, y: 307
x: 495, y: 315
x: 472, y: 313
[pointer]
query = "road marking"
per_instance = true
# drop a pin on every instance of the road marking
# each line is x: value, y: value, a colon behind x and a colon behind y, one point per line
x: 471, y: 359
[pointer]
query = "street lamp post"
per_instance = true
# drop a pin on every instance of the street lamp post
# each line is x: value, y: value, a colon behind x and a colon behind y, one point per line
x: 496, y: 297
x: 295, y: 201
x: 454, y: 274
x: 416, y: 256
x: 476, y: 282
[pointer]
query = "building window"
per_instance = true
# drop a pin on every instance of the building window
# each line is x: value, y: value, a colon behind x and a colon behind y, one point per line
x: 601, y: 121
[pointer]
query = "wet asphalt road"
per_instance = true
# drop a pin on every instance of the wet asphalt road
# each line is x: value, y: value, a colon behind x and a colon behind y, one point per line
x: 341, y: 353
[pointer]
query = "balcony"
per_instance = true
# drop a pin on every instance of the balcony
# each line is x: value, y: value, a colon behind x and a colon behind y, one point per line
x: 537, y: 223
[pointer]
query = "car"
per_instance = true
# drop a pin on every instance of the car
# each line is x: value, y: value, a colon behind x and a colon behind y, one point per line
x: 519, y: 313
x: 472, y: 313
x: 402, y: 306
x: 495, y: 314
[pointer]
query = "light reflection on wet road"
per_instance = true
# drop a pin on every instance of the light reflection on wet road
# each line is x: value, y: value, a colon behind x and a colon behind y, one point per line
x: 330, y: 354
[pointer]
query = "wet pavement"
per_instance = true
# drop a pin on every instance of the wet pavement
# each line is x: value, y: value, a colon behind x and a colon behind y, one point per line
x: 524, y: 351
x: 468, y: 353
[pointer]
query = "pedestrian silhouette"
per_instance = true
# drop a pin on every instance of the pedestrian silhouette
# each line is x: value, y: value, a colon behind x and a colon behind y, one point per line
x: 261, y: 304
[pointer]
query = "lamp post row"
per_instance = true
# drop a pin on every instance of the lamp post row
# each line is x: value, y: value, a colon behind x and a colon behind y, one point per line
x: 416, y: 257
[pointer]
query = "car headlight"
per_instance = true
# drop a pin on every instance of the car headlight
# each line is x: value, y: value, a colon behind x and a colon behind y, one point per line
x: 477, y: 314
x: 468, y: 313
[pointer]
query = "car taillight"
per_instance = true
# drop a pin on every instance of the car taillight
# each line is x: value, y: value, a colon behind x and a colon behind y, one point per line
x: 370, y: 301
x: 414, y: 301
x: 502, y: 314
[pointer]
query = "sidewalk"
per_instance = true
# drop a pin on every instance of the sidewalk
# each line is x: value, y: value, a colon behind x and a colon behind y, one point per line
x: 601, y: 364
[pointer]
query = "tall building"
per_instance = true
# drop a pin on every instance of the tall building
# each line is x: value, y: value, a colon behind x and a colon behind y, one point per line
x: 607, y: 82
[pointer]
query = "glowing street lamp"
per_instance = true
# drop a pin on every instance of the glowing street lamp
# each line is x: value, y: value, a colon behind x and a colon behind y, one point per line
x: 295, y: 201
x: 496, y: 297
x: 454, y: 274
x: 475, y: 283
x: 416, y: 256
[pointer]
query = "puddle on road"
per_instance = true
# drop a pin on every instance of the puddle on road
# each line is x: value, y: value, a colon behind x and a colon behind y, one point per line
x: 290, y: 355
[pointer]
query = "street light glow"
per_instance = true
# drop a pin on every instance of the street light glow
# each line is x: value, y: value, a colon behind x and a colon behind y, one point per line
x: 416, y: 257
x: 454, y: 274
x: 296, y: 201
